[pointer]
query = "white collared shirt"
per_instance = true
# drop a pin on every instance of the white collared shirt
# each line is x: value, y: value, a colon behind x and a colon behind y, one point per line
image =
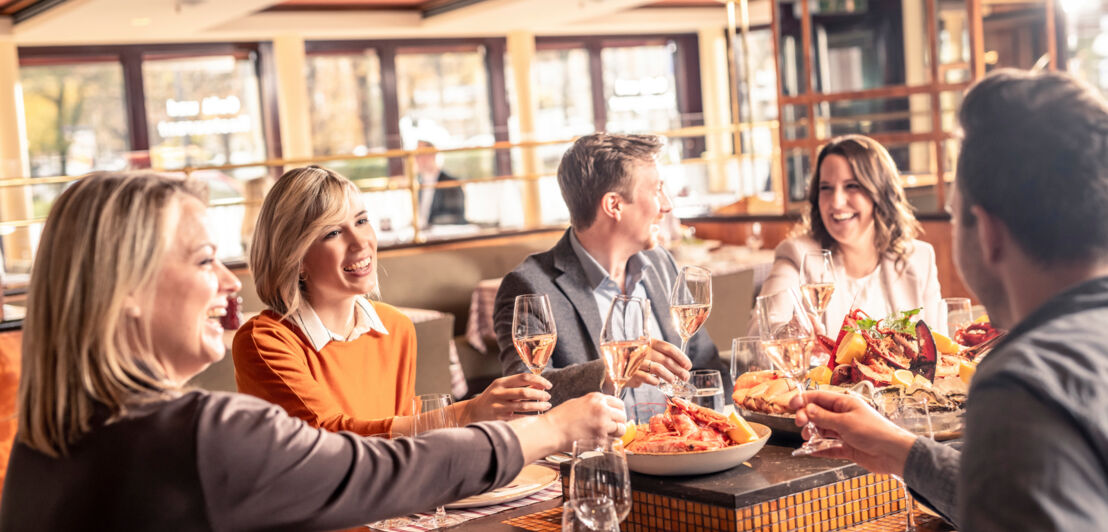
x: 365, y: 320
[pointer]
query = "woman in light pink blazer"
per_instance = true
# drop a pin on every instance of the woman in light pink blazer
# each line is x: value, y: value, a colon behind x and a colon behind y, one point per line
x: 858, y: 210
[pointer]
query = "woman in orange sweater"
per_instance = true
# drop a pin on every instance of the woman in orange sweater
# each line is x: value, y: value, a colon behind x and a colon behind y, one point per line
x: 322, y: 350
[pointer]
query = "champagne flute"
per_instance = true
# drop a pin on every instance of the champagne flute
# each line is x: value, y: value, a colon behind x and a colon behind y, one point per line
x: 817, y: 281
x: 910, y: 413
x: 625, y: 339
x: 533, y: 330
x: 598, y: 471
x: 690, y: 302
x: 788, y: 339
x: 433, y: 414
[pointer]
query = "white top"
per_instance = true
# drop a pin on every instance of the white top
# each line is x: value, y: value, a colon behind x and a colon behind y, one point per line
x: 365, y: 320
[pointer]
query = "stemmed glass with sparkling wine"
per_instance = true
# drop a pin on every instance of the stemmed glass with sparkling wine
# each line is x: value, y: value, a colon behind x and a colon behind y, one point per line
x: 690, y: 302
x: 788, y: 340
x: 432, y: 414
x: 533, y: 330
x: 817, y: 281
x: 910, y: 413
x: 625, y: 339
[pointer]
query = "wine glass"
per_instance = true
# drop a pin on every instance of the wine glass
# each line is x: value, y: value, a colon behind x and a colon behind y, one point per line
x: 747, y: 356
x: 958, y: 314
x: 788, y: 339
x: 589, y: 515
x: 625, y: 339
x: 690, y: 302
x: 598, y: 470
x: 533, y: 331
x: 817, y: 281
x: 910, y: 413
x: 432, y: 413
x: 754, y: 240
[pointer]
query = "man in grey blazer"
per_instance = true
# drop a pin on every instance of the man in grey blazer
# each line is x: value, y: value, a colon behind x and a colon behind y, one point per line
x: 614, y: 193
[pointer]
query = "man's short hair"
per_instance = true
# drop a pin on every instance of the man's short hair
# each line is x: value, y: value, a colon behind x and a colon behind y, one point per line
x: 596, y: 165
x: 1035, y: 155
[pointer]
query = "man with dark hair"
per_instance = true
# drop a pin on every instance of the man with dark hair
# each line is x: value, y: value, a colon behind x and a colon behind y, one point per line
x: 614, y: 193
x: 1030, y: 241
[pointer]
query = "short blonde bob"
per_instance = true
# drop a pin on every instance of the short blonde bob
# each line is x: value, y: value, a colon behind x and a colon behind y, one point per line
x: 86, y: 354
x: 300, y: 205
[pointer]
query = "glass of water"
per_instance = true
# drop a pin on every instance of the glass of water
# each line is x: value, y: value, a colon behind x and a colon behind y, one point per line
x: 709, y: 388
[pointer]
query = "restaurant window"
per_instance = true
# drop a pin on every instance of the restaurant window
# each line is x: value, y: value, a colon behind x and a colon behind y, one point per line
x: 76, y: 121
x: 204, y: 111
x: 640, y: 89
x: 347, y: 110
x: 443, y: 98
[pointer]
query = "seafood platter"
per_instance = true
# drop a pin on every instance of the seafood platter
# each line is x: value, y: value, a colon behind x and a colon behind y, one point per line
x: 687, y: 439
x: 897, y: 355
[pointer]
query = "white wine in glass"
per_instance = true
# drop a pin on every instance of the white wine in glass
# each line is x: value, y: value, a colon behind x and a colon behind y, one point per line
x: 817, y: 281
x: 533, y: 331
x: 625, y: 339
x: 788, y: 339
x: 690, y: 303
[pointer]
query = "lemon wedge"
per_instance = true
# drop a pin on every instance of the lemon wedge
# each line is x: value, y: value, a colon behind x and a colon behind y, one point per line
x: 903, y: 377
x: 945, y: 345
x: 820, y: 375
x: 966, y: 369
x: 852, y: 346
x: 743, y: 432
x: 984, y: 318
x: 629, y: 435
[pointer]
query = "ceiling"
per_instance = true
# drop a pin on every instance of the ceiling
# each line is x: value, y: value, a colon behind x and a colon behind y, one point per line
x: 68, y: 22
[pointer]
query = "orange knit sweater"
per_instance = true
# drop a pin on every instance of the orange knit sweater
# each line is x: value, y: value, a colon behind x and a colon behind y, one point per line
x: 356, y: 386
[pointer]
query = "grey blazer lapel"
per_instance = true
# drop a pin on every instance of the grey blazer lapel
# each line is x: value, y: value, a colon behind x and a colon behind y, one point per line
x: 575, y: 286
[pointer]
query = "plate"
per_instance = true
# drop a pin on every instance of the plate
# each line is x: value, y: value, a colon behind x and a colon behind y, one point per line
x: 532, y: 479
x: 699, y: 462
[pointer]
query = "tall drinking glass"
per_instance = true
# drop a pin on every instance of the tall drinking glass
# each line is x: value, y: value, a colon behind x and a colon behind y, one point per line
x: 957, y: 313
x: 690, y: 303
x: 433, y: 414
x: 625, y: 339
x: 599, y: 471
x: 910, y: 413
x: 788, y: 339
x: 708, y: 384
x: 747, y: 356
x: 589, y: 515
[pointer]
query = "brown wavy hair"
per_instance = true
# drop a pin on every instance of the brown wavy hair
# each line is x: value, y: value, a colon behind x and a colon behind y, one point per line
x: 894, y: 224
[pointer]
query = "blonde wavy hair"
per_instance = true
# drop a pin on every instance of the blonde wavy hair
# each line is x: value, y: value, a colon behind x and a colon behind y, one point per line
x: 302, y: 203
x: 85, y: 353
x: 894, y: 224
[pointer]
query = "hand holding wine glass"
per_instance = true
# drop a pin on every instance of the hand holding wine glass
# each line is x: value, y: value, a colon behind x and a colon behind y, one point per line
x: 625, y: 339
x: 788, y: 339
x: 533, y: 330
x: 690, y: 303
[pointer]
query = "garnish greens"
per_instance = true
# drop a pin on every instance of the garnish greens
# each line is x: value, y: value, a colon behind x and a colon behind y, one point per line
x: 900, y: 322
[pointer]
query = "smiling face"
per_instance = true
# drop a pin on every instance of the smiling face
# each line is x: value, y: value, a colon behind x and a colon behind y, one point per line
x: 190, y: 294
x: 844, y: 206
x: 341, y: 263
x: 642, y: 213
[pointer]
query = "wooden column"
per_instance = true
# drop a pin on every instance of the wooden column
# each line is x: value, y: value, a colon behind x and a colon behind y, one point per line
x: 15, y: 202
x: 715, y: 91
x: 521, y: 53
x: 292, y: 96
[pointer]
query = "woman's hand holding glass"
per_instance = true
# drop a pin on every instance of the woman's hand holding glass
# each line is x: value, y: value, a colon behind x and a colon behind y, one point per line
x: 506, y: 398
x: 788, y: 339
